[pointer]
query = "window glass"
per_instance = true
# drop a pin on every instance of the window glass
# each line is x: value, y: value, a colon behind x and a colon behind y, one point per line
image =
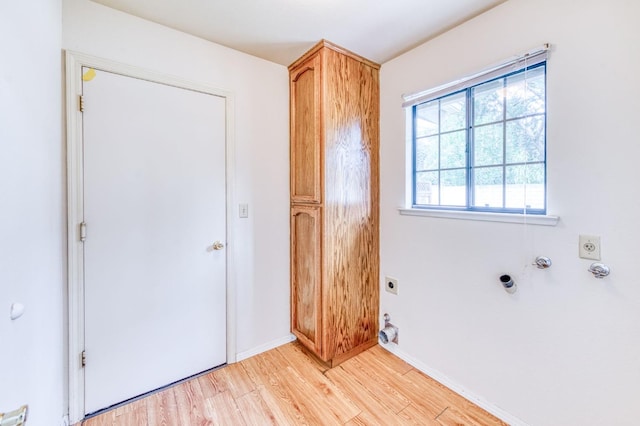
x: 452, y: 187
x: 525, y: 93
x: 488, y: 143
x: 484, y: 148
x: 427, y: 121
x: 488, y: 102
x: 453, y: 150
x: 427, y: 188
x: 427, y: 153
x: 453, y: 112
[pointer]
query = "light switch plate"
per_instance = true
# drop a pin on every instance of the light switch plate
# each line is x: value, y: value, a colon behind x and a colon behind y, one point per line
x: 243, y: 210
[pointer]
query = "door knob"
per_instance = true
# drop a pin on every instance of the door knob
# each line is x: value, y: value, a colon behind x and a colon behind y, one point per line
x: 218, y: 245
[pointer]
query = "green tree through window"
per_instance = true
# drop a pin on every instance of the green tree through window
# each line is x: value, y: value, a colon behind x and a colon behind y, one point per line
x: 484, y: 148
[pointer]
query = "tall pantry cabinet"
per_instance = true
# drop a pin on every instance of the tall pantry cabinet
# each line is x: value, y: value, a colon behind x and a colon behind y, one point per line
x: 334, y: 202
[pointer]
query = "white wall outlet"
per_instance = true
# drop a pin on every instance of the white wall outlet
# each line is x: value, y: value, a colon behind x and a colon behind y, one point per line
x: 589, y: 247
x: 391, y: 285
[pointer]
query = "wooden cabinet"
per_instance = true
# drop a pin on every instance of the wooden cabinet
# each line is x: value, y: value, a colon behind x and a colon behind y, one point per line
x: 306, y: 136
x: 334, y: 202
x: 306, y: 296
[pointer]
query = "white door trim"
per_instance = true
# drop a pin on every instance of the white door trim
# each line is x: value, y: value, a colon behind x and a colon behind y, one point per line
x: 75, y: 214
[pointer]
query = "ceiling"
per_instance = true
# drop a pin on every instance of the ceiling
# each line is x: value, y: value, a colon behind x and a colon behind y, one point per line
x: 282, y: 30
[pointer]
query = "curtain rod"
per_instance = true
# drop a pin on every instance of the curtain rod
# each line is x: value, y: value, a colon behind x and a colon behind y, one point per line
x: 410, y: 99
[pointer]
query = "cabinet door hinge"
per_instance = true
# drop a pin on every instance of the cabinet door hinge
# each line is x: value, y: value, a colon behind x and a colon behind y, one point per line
x: 81, y: 103
x: 83, y: 358
x: 83, y: 231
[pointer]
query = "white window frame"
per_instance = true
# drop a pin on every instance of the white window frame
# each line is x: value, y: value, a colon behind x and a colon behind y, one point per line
x: 530, y: 59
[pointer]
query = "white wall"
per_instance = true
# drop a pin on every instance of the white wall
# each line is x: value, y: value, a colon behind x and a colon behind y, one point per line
x: 564, y: 350
x: 260, y: 243
x: 32, y: 214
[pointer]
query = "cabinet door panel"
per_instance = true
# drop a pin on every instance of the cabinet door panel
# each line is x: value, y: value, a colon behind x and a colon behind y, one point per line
x: 305, y: 276
x: 305, y: 133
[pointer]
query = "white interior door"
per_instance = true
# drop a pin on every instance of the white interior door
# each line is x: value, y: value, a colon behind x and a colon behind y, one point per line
x: 154, y: 204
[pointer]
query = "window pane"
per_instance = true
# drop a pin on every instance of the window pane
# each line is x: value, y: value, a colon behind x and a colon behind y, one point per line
x: 453, y: 111
x: 427, y: 188
x: 453, y: 187
x: 526, y: 93
x: 488, y: 187
x: 488, y: 102
x: 525, y: 140
x: 488, y: 145
x: 491, y: 136
x: 525, y: 186
x: 427, y: 119
x: 453, y: 150
x: 427, y: 153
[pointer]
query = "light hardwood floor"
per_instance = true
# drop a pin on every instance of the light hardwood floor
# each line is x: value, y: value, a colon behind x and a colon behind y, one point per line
x: 285, y: 386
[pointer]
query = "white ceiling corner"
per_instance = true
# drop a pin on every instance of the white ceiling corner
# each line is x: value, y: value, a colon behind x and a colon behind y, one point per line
x: 282, y: 30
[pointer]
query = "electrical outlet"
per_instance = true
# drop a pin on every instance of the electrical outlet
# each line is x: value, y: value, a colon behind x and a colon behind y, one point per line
x: 391, y: 285
x: 589, y: 247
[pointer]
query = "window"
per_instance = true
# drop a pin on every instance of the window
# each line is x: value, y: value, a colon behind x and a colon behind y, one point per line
x: 482, y: 147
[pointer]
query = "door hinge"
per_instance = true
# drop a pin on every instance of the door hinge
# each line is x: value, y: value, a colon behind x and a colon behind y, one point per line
x: 83, y: 231
x: 81, y: 103
x: 83, y: 358
x: 14, y: 418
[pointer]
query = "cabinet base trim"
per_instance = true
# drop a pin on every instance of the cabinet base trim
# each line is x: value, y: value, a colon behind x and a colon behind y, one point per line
x: 339, y: 359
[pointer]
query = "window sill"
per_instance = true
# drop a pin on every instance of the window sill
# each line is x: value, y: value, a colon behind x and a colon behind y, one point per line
x: 529, y: 219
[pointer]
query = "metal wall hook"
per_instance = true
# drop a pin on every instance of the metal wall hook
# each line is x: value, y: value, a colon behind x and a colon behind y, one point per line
x: 599, y: 270
x: 542, y: 262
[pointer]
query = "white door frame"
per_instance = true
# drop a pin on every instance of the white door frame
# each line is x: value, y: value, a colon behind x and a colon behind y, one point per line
x: 75, y: 213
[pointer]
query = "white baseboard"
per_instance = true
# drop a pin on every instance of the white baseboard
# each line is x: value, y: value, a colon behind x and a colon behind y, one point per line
x: 266, y: 347
x: 457, y: 388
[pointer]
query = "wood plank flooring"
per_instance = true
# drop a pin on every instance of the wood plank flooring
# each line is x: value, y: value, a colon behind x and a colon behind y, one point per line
x: 285, y: 386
